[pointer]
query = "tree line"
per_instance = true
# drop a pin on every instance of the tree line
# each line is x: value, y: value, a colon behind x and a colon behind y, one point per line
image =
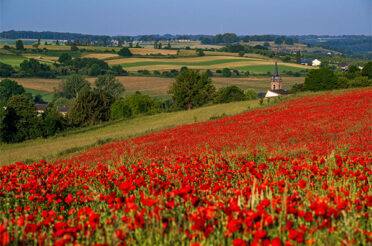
x: 91, y: 106
x: 325, y: 79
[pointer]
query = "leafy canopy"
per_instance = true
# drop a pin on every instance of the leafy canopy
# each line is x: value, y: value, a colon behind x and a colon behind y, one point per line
x: 125, y: 52
x: 320, y: 79
x: 8, y: 88
x: 109, y: 84
x: 191, y: 89
x: 71, y: 86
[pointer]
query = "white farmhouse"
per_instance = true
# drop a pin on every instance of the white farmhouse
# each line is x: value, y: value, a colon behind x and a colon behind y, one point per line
x: 316, y: 63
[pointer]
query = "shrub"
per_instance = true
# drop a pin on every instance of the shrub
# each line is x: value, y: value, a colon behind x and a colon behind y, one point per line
x: 140, y: 104
x: 226, y: 72
x: 361, y: 81
x: 125, y: 52
x: 6, y: 70
x: 367, y: 70
x: 119, y: 110
x: 250, y: 94
x: 229, y: 94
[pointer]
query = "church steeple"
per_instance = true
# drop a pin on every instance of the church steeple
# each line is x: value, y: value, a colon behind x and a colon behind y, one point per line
x: 276, y: 80
x: 276, y: 69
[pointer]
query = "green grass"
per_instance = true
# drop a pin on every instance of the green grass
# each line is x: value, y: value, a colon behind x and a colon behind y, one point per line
x: 204, y: 63
x: 12, y: 60
x: 47, y: 96
x: 260, y: 69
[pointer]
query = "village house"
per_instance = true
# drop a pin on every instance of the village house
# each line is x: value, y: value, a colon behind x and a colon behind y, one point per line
x: 316, y: 63
x: 41, y: 107
x: 313, y: 62
x: 276, y: 85
x: 344, y: 66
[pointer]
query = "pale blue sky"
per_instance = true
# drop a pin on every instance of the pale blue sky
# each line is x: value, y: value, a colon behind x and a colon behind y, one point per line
x: 136, y: 17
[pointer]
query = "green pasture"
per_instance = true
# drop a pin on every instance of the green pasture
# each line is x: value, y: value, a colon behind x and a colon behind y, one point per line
x: 47, y: 96
x: 12, y: 60
x: 260, y: 69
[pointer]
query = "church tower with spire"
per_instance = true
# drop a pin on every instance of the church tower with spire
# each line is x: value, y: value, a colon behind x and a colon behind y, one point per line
x: 276, y: 80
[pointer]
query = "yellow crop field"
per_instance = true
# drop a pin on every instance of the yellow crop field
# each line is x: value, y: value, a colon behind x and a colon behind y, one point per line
x: 149, y: 51
x: 37, y: 84
x: 101, y: 56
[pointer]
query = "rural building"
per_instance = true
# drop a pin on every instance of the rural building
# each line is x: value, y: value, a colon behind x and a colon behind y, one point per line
x: 316, y: 63
x: 344, y: 66
x: 41, y: 107
x: 305, y: 61
x: 276, y: 85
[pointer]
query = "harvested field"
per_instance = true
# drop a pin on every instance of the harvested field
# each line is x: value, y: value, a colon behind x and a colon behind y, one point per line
x: 153, y: 86
x: 37, y: 84
x: 101, y: 56
x: 151, y: 51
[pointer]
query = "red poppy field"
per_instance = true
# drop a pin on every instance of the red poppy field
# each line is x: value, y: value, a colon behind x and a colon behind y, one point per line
x: 297, y: 173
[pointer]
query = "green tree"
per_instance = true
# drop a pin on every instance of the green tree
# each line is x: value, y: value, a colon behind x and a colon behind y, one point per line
x: 90, y: 108
x: 298, y: 57
x: 241, y: 53
x: 226, y: 72
x: 65, y: 58
x: 118, y: 70
x: 19, y: 45
x: 9, y: 88
x: 95, y: 70
x: 320, y: 79
x: 72, y: 85
x: 229, y: 94
x: 74, y: 47
x: 119, y: 110
x: 367, y: 70
x: 33, y: 67
x: 209, y: 73
x: 361, y: 81
x: 191, y: 89
x: 53, y: 121
x: 250, y: 94
x: 200, y: 52
x: 21, y: 120
x: 125, y: 52
x: 342, y: 82
x: 109, y: 84
x: 141, y: 104
x: 6, y: 70
x: 3, y: 124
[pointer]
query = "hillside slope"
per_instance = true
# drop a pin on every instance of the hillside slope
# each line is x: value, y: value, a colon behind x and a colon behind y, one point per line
x: 296, y: 173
